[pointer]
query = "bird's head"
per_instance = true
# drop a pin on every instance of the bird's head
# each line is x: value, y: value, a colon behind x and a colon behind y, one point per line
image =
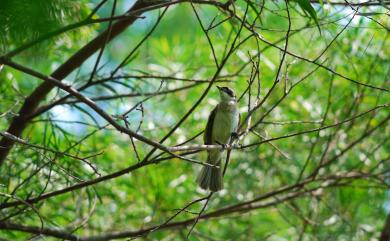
x: 226, y: 94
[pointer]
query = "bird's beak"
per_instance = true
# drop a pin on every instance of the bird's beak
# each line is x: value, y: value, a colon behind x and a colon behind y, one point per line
x: 219, y: 87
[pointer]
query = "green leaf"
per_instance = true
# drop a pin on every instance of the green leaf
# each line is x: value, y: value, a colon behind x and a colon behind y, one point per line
x: 308, y: 8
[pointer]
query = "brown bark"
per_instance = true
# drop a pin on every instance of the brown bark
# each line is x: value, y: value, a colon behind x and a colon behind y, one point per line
x: 20, y: 122
x: 385, y: 235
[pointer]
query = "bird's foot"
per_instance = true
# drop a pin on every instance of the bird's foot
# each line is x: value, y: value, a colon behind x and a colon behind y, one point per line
x: 234, y: 135
x: 224, y: 146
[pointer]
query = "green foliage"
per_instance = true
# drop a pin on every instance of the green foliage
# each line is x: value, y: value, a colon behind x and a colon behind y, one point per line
x: 22, y: 21
x: 306, y: 6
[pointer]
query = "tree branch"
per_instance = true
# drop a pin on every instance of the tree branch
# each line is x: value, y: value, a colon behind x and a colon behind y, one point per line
x: 29, y: 106
x: 385, y: 235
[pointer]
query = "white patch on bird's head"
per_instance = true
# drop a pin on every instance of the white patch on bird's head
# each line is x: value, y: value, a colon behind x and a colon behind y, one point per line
x: 226, y: 94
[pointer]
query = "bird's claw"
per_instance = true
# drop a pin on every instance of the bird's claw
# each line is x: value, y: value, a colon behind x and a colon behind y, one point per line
x: 224, y: 146
x: 234, y: 135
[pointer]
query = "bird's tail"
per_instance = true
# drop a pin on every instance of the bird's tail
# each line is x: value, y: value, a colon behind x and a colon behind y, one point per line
x: 210, y: 177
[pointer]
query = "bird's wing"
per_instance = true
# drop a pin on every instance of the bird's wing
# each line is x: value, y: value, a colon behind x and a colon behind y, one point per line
x: 207, y: 137
x: 239, y: 121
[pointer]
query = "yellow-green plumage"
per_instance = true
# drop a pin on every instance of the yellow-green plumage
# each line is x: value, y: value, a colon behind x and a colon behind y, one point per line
x: 222, y: 122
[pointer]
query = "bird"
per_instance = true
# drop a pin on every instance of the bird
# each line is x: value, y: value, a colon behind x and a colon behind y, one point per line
x: 222, y: 124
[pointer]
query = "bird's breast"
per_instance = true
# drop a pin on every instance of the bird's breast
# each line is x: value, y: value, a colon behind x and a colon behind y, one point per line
x: 225, y: 123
